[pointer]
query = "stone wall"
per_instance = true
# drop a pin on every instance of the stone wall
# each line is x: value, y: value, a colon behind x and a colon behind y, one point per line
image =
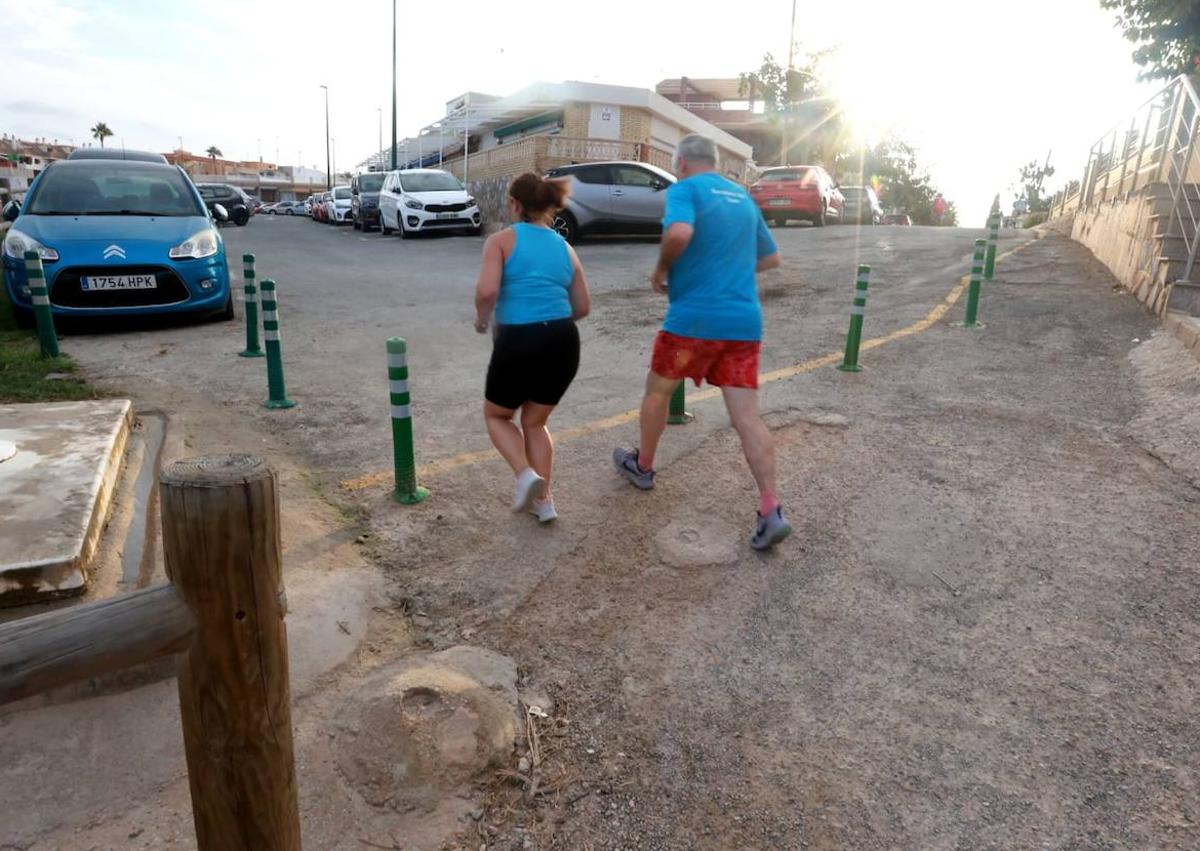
x: 492, y: 195
x: 576, y: 117
x: 635, y: 124
x: 1126, y: 235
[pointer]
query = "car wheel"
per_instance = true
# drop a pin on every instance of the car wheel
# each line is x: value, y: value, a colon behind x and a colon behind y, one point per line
x: 820, y: 218
x: 405, y: 233
x: 241, y: 217
x: 384, y: 230
x: 355, y: 225
x: 566, y: 226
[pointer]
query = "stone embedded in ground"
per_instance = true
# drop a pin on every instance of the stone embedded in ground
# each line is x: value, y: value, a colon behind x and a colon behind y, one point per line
x: 418, y: 730
x: 698, y: 542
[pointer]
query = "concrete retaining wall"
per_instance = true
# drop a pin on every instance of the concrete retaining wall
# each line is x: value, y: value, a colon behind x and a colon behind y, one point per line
x: 1124, y: 234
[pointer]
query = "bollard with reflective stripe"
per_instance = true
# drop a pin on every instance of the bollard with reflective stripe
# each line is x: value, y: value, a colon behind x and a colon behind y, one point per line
x: 36, y: 279
x: 407, y: 490
x: 253, y: 349
x: 857, y: 311
x: 989, y: 266
x: 678, y: 413
x: 276, y: 391
x: 971, y: 319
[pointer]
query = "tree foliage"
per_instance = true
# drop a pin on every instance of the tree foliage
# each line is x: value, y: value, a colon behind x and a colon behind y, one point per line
x: 818, y: 134
x: 101, y: 132
x: 214, y: 152
x: 1166, y: 32
x: 1033, y: 176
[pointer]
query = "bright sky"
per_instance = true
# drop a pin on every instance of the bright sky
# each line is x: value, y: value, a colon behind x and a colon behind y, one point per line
x: 979, y: 86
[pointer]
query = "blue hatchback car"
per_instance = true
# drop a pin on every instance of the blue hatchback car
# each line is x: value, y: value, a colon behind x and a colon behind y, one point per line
x: 118, y: 238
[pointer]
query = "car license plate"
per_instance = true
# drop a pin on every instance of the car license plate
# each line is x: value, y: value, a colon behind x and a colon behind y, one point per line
x: 447, y: 215
x: 778, y: 202
x: 118, y: 282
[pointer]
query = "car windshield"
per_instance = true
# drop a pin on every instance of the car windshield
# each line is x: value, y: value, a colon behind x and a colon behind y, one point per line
x: 370, y: 182
x: 341, y: 193
x: 113, y: 188
x: 786, y: 174
x: 429, y: 181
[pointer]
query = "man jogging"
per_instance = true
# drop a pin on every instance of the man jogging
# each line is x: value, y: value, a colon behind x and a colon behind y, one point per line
x: 714, y: 241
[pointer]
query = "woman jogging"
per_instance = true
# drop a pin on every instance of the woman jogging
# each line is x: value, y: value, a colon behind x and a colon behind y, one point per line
x: 535, y: 284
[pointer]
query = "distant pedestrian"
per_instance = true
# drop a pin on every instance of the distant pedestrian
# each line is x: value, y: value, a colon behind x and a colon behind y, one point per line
x: 939, y: 208
x: 533, y: 282
x: 714, y: 242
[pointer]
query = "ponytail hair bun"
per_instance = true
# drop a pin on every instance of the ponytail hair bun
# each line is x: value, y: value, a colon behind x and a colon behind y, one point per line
x: 538, y: 196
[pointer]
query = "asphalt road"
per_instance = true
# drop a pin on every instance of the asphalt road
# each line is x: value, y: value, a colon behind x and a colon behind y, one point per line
x: 982, y: 636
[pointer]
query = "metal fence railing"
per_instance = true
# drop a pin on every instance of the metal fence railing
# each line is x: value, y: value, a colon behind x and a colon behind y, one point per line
x: 1156, y: 146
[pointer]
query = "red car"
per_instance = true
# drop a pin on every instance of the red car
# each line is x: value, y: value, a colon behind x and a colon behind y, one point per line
x: 798, y: 192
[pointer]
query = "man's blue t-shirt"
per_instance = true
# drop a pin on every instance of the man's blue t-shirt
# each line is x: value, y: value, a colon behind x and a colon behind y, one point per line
x: 711, y: 287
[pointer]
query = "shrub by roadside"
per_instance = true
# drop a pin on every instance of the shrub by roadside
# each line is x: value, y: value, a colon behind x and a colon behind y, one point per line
x: 1032, y: 220
x: 23, y: 372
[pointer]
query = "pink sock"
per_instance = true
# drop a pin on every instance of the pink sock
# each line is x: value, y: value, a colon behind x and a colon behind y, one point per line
x: 645, y: 464
x: 767, y: 502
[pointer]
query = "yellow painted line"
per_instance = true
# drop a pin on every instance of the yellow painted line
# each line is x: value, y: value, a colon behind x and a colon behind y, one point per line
x: 453, y: 462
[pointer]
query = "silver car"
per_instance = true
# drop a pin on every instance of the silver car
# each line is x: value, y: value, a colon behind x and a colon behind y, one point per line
x: 612, y: 198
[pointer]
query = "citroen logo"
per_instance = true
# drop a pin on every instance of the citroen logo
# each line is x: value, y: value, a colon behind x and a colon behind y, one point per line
x: 114, y: 250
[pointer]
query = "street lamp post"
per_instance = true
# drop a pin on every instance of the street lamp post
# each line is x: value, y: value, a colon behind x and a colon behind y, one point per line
x: 328, y: 157
x: 394, y: 166
x: 380, y: 111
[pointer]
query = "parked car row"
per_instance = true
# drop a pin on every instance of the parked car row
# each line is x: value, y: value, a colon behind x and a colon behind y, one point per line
x: 808, y: 193
x: 408, y: 201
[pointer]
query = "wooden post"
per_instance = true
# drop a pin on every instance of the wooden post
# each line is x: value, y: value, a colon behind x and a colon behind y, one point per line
x: 220, y: 520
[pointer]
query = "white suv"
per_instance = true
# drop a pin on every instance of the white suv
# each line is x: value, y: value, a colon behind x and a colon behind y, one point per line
x: 416, y: 200
x: 337, y: 208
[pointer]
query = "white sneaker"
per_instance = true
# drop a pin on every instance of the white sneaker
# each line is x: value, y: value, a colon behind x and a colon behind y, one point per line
x: 529, y: 487
x: 543, y: 510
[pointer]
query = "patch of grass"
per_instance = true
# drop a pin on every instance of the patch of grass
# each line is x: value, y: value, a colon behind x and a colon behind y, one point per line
x: 23, y: 371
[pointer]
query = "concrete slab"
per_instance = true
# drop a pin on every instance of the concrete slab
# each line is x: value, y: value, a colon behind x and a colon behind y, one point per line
x: 55, y: 492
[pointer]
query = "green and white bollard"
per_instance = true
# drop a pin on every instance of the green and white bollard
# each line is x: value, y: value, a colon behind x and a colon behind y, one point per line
x: 971, y: 319
x: 276, y: 391
x: 407, y: 490
x: 678, y: 413
x: 857, y: 312
x: 253, y: 349
x: 36, y: 278
x: 989, y: 266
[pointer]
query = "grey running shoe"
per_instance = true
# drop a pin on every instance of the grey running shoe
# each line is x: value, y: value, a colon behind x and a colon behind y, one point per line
x: 626, y: 462
x: 771, y: 530
x: 543, y: 510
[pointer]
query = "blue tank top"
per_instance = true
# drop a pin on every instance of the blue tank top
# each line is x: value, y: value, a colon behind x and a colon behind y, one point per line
x: 537, y: 278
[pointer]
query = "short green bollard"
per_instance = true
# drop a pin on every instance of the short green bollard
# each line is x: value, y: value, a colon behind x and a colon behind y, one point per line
x: 407, y: 490
x: 857, y: 312
x: 276, y: 391
x: 36, y: 279
x: 971, y: 319
x: 678, y: 413
x: 253, y: 349
x: 989, y: 266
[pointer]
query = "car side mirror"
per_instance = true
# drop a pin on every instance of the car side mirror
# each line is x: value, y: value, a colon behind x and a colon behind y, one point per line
x: 11, y: 210
x: 660, y: 186
x: 220, y: 213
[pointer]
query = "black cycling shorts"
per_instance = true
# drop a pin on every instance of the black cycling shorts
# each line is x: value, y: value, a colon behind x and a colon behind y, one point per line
x: 532, y: 363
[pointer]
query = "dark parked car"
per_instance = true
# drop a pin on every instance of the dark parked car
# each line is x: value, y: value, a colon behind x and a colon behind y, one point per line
x: 364, y: 199
x: 861, y: 205
x: 237, y: 203
x: 612, y: 198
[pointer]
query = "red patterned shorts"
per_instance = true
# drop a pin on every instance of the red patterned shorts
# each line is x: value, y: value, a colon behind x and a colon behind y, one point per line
x: 722, y: 363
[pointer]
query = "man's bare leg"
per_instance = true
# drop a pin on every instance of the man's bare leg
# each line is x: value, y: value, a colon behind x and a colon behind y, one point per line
x: 656, y: 404
x: 759, y: 448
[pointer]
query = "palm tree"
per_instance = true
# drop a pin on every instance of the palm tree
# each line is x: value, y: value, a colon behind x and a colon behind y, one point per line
x: 214, y: 152
x: 101, y: 132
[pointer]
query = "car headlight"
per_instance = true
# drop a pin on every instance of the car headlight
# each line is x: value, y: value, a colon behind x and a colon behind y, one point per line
x: 18, y: 242
x: 413, y: 205
x: 197, y: 246
x: 471, y: 202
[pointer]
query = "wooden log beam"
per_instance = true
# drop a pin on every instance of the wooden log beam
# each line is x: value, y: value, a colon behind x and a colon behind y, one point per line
x: 67, y: 645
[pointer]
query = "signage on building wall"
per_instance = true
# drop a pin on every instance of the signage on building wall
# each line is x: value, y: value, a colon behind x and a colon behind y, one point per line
x: 606, y: 114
